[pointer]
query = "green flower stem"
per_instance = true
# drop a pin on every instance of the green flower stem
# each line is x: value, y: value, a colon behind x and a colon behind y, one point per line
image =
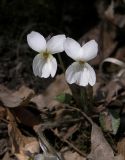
x: 87, y: 99
x: 83, y: 97
x: 61, y: 62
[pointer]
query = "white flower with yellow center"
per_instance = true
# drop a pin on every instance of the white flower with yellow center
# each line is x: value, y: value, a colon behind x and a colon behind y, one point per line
x: 44, y: 64
x: 80, y: 72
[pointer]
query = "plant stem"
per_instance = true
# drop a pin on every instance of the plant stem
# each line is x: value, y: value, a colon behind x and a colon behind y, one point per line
x: 61, y: 62
x: 83, y: 97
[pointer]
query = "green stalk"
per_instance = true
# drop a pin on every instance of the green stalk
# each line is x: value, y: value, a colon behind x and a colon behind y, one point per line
x: 61, y: 63
x: 83, y: 97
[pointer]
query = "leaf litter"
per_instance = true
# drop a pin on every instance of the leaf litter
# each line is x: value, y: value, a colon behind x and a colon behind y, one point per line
x: 66, y: 130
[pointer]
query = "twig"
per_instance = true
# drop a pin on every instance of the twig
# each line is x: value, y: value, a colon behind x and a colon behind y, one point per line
x: 70, y: 144
x: 4, y: 120
x: 76, y: 149
x: 83, y: 113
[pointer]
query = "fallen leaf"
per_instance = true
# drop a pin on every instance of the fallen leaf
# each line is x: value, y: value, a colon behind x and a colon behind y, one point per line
x: 6, y: 156
x: 121, y: 147
x: 2, y: 112
x: 22, y: 156
x: 73, y: 156
x: 47, y: 99
x: 105, y: 121
x: 27, y: 116
x: 20, y: 143
x: 112, y: 89
x: 13, y: 99
x: 100, y: 148
x: 110, y: 120
x: 120, y: 54
x: 114, y: 17
x: 3, y: 146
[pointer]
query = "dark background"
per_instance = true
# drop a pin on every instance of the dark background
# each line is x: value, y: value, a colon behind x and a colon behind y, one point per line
x: 74, y: 18
x: 49, y: 17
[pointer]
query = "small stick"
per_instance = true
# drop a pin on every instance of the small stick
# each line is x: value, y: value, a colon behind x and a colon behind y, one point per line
x: 83, y: 113
x: 70, y: 144
x: 76, y: 149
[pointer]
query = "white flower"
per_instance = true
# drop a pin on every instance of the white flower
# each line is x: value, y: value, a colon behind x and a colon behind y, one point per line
x: 44, y: 64
x: 80, y: 72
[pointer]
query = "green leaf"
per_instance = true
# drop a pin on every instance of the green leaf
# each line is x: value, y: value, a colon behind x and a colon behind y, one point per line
x: 115, y: 119
x: 64, y: 98
x: 115, y: 124
x: 110, y: 121
x: 105, y: 121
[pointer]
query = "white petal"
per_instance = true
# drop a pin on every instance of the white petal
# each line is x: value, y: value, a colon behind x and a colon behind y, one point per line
x: 84, y: 77
x: 38, y: 63
x: 46, y: 70
x: 44, y: 67
x: 53, y: 67
x: 72, y: 48
x: 81, y: 74
x: 49, y: 68
x: 89, y: 50
x: 56, y: 44
x: 77, y: 73
x: 92, y: 75
x: 71, y: 73
x: 36, y: 41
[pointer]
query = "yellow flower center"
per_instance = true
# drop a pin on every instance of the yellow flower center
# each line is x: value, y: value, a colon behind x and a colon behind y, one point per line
x: 46, y: 55
x: 81, y: 62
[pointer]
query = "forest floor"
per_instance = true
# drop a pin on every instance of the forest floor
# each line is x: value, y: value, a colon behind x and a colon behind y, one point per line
x: 40, y: 118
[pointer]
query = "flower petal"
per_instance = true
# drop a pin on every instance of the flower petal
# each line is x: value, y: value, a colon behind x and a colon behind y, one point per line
x: 89, y: 50
x: 72, y: 48
x: 36, y: 41
x: 84, y: 77
x: 44, y: 67
x: 55, y: 44
x: 46, y: 70
x: 81, y: 74
x: 49, y: 68
x: 53, y: 67
x: 92, y: 75
x: 37, y: 65
x: 77, y: 73
x: 71, y: 73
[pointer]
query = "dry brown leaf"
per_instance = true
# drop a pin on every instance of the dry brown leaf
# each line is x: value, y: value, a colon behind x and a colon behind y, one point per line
x: 117, y: 19
x: 3, y: 146
x: 100, y: 148
x: 20, y: 143
x: 22, y: 156
x: 26, y: 117
x: 120, y: 54
x: 6, y: 156
x: 107, y: 124
x: 13, y: 99
x: 71, y: 131
x: 112, y: 89
x: 2, y: 112
x: 121, y: 147
x: 47, y: 99
x: 69, y: 155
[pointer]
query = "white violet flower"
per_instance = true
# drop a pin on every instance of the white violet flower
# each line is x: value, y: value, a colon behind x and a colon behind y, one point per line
x: 80, y: 72
x: 44, y: 64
